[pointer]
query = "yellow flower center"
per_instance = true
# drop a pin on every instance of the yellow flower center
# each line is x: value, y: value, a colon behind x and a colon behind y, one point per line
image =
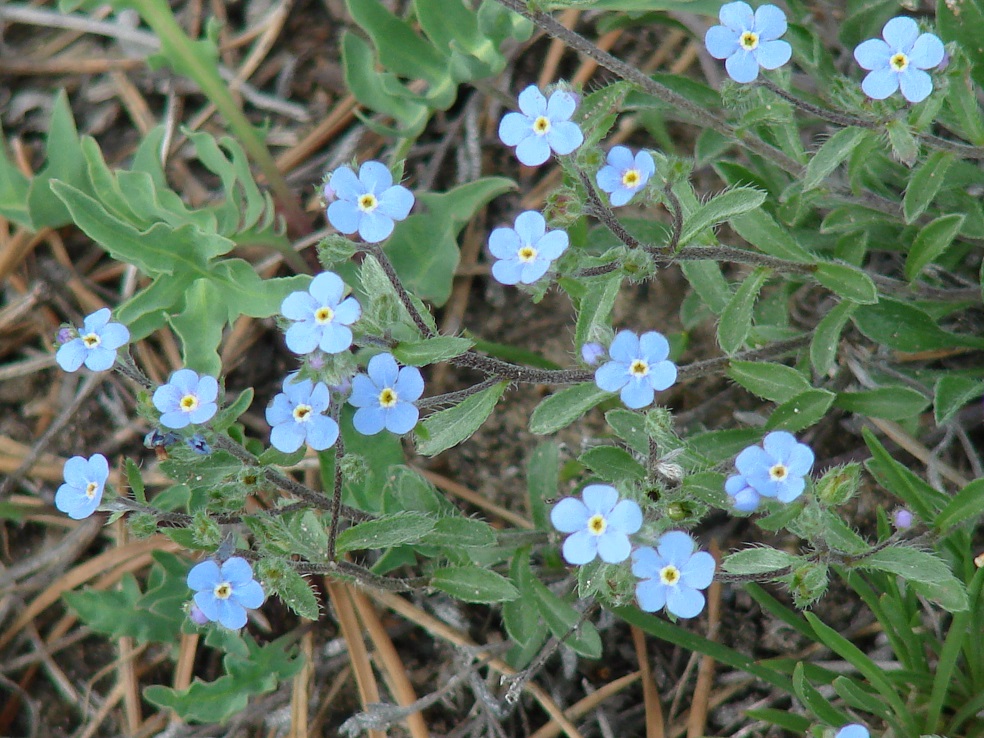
x: 387, y: 398
x: 90, y: 490
x: 749, y: 41
x: 223, y: 591
x: 541, y: 126
x: 302, y: 413
x: 323, y: 315
x: 669, y: 574
x: 368, y: 202
x: 639, y: 368
x: 899, y: 62
x: 527, y: 253
x: 597, y: 524
x: 778, y: 473
x: 189, y: 403
x: 91, y: 340
x: 631, y: 178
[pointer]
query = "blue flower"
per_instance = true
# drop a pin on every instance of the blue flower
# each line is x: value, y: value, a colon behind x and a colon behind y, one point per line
x: 85, y: 480
x: 525, y: 251
x: 368, y: 203
x: 199, y: 445
x: 541, y: 126
x: 322, y: 316
x: 224, y: 593
x: 745, y: 498
x: 297, y: 416
x: 624, y: 174
x: 777, y: 468
x: 672, y: 574
x: 853, y: 730
x: 186, y: 399
x: 898, y: 61
x: 385, y: 396
x: 639, y: 368
x: 599, y: 526
x: 747, y: 40
x: 95, y: 345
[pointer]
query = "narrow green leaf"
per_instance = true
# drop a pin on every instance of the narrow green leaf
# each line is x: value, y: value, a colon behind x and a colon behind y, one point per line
x: 450, y: 427
x: 14, y: 187
x: 847, y: 281
x: 630, y: 427
x: 474, y: 584
x: 393, y: 530
x: 924, y: 183
x: 923, y: 568
x: 65, y: 162
x: 542, y: 478
x: 934, y: 238
x: 523, y: 623
x: 834, y: 151
x: 721, y: 208
x: 564, y: 407
x: 952, y: 393
x: 891, y: 403
x: 815, y: 702
x: 705, y: 277
x: 613, y: 464
x: 736, y: 318
x: 904, y: 327
x: 920, y: 497
x: 801, y: 411
x: 595, y: 307
x: 454, y: 531
x: 760, y: 560
x: 762, y: 231
x: 964, y: 508
x: 770, y: 381
x: 905, y: 148
x: 431, y: 350
x: 826, y: 337
x: 560, y: 618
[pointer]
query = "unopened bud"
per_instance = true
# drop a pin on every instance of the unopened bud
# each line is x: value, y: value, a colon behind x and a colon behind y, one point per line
x: 592, y: 353
x: 902, y: 519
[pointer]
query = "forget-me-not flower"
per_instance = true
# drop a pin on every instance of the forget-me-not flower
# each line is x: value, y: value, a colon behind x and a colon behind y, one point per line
x: 744, y: 497
x: 776, y: 468
x: 748, y: 40
x: 853, y: 730
x: 638, y: 367
x: 297, y: 416
x: 898, y: 61
x: 95, y: 345
x: 672, y: 574
x: 223, y: 594
x: 322, y: 316
x: 368, y: 203
x: 186, y: 399
x: 541, y: 125
x: 625, y: 174
x: 526, y: 250
x: 85, y: 480
x: 599, y: 526
x: 385, y: 395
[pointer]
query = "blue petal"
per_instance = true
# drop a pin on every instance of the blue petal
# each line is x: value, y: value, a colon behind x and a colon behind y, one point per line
x: 676, y: 547
x: 646, y: 563
x: 637, y: 394
x: 383, y: 370
x: 100, y: 359
x: 625, y: 347
x: 684, y: 602
x: 599, y: 499
x: 507, y: 271
x: 97, y: 469
x: 346, y: 185
x: 208, y: 389
x: 375, y: 227
x: 699, y: 571
x: 625, y: 517
x: 303, y: 338
x: 560, y: 106
x: 175, y: 419
x: 203, y: 412
x: 613, y: 547
x: 532, y: 102
x: 369, y: 420
x: 204, y: 576
x: 208, y: 603
x: 533, y: 270
x: 401, y: 418
x: 653, y: 347
x: 335, y: 338
x: 71, y: 355
x: 345, y: 216
x: 279, y: 411
x: 753, y: 459
x: 737, y: 16
x: 880, y: 83
x: 621, y: 158
x: 721, y: 42
x: 327, y: 288
x: 396, y: 202
x: 115, y: 335
x: 742, y: 66
x: 779, y: 445
x: 375, y: 177
x: 611, y: 376
x: 94, y: 322
x: 770, y: 22
x: 621, y: 195
x: 72, y: 501
x: 569, y: 515
x: 747, y: 500
x: 249, y: 595
x: 608, y: 178
x: 852, y: 731
x: 872, y: 54
x: 533, y: 151
x: 651, y: 594
x: 231, y: 614
x: 514, y: 128
x: 927, y: 52
x: 662, y: 375
x: 530, y: 226
x: 348, y: 311
x: 504, y: 243
x: 365, y: 393
x: 901, y: 33
x: 773, y: 54
x: 564, y: 137
x: 287, y: 437
x: 322, y: 432
x: 552, y: 245
x: 409, y: 384
x: 237, y: 571
x: 580, y: 548
x: 320, y: 397
x: 914, y: 83
x: 800, y: 460
x: 298, y: 306
x: 645, y: 164
x: 790, y: 489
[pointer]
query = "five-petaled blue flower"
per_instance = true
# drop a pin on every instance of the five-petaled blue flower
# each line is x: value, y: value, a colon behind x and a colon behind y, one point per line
x: 744, y: 497
x: 525, y: 251
x: 223, y: 594
x: 748, y: 40
x: 385, y: 395
x: 852, y: 730
x: 541, y: 126
x: 297, y: 416
x: 639, y: 368
x: 85, y: 480
x: 368, y: 203
x: 322, y: 316
x: 599, y: 526
x: 625, y: 174
x: 672, y: 574
x: 186, y: 399
x: 777, y: 468
x: 898, y: 61
x: 95, y: 345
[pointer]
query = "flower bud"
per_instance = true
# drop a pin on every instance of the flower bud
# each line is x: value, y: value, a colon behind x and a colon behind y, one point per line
x: 902, y: 519
x: 592, y: 353
x: 196, y: 616
x: 199, y: 445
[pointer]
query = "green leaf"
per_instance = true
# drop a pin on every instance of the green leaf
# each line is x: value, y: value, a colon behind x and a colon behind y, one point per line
x: 965, y: 507
x: 721, y: 208
x: 630, y: 427
x: 924, y: 568
x: 613, y: 464
x: 736, y: 319
x: 905, y: 148
x: 448, y: 428
x: 564, y: 407
x: 847, y: 281
x: 891, y: 403
x: 814, y: 701
x: 952, y: 393
x: 385, y: 532
x: 924, y: 183
x: 14, y: 188
x: 293, y: 589
x: 930, y: 243
x: 474, y: 584
x: 379, y: 90
x: 65, y: 163
x: 705, y: 277
x: 595, y: 307
x: 560, y: 618
x: 762, y: 231
x: 904, y: 327
x: 829, y: 156
x: 826, y: 337
x: 960, y: 21
x: 431, y: 350
x: 773, y: 382
x: 925, y: 501
x: 453, y: 532
x: 523, y: 623
x: 762, y: 560
x: 542, y: 479
x: 784, y: 719
x: 801, y: 411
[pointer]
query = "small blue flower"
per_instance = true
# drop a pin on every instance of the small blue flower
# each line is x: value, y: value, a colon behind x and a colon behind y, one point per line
x: 778, y: 467
x: 199, y: 445
x: 599, y: 526
x: 902, y: 519
x: 593, y: 353
x: 624, y: 174
x: 224, y: 593
x: 95, y: 345
x: 745, y: 498
x: 322, y: 316
x: 297, y: 416
x: 748, y: 40
x: 898, y: 61
x: 541, y: 126
x: 525, y: 251
x: 368, y: 203
x: 385, y: 395
x: 672, y: 574
x: 186, y: 399
x: 853, y: 730
x: 85, y: 480
x: 639, y: 368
